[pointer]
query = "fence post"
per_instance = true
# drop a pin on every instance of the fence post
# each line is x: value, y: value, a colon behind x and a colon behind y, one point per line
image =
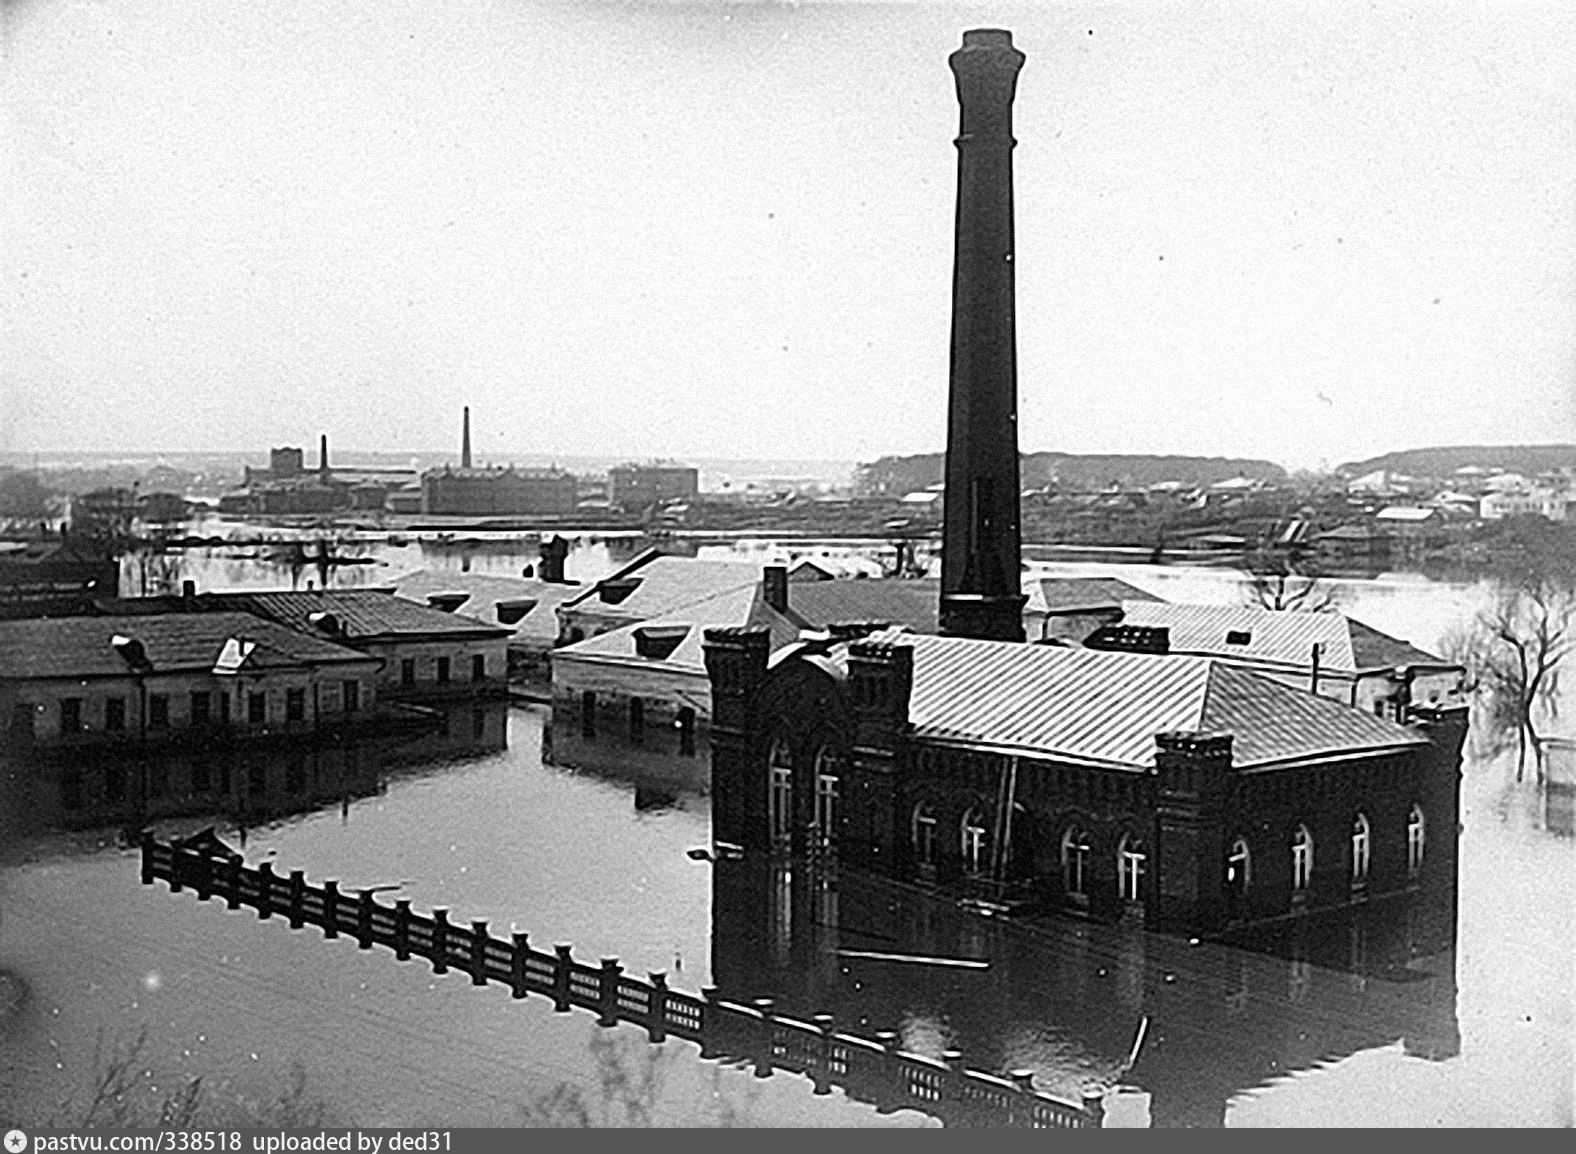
x: 177, y: 855
x: 708, y: 1022
x: 204, y: 880
x: 1094, y: 1107
x: 364, y: 921
x: 402, y: 929
x: 657, y: 1022
x: 517, y: 966
x: 147, y: 857
x: 765, y: 1043
x: 822, y: 1073
x: 609, y: 992
x: 265, y: 890
x: 331, y: 909
x: 561, y: 977
x: 479, y: 941
x: 440, y: 941
x: 297, y: 896
x: 232, y: 899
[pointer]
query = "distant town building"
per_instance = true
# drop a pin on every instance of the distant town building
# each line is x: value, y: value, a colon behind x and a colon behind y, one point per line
x: 286, y: 488
x: 103, y: 514
x: 1533, y: 501
x: 634, y: 488
x: 481, y: 492
x: 161, y: 507
x: 54, y: 577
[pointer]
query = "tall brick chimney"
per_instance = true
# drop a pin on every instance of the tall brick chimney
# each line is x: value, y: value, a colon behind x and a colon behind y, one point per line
x: 465, y: 441
x: 981, y: 594
x: 322, y: 455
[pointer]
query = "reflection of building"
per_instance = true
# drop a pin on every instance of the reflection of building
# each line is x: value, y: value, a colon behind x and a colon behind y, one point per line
x: 637, y: 487
x: 1178, y: 789
x: 131, y: 682
x: 1064, y: 1001
x: 1354, y: 663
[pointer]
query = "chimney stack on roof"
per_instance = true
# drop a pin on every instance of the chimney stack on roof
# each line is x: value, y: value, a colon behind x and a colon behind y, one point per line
x: 980, y: 593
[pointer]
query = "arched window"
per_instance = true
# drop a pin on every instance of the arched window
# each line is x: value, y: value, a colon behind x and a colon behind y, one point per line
x: 1075, y: 861
x: 974, y: 841
x: 781, y: 797
x: 826, y: 794
x: 1131, y: 859
x: 1416, y: 832
x: 1301, y: 859
x: 924, y: 834
x: 1360, y: 848
x: 1239, y: 868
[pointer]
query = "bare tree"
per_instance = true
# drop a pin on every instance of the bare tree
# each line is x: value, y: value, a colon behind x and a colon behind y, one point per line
x: 1275, y: 584
x: 1513, y: 652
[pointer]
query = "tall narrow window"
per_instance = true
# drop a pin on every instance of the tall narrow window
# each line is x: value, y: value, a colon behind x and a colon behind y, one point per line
x: 257, y: 708
x: 1301, y: 859
x: 70, y: 715
x: 407, y: 671
x: 637, y: 718
x: 115, y: 714
x: 588, y: 713
x: 685, y: 721
x: 974, y: 841
x: 1239, y: 868
x: 780, y: 803
x: 826, y: 792
x: 479, y: 668
x: 158, y: 711
x: 350, y: 694
x: 1359, y: 850
x: 1075, y: 862
x: 443, y: 671
x: 1131, y: 860
x: 295, y: 705
x: 224, y: 708
x: 1415, y: 834
x: 924, y: 835
x: 200, y: 706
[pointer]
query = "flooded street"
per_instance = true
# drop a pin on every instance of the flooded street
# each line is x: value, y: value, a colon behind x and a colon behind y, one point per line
x: 1399, y: 1015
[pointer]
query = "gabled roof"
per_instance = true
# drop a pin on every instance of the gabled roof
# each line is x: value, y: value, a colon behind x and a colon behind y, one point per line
x: 364, y: 614
x: 539, y: 625
x: 172, y: 642
x: 1281, y: 638
x: 914, y: 603
x: 617, y: 646
x: 1106, y: 708
x: 1080, y: 594
x: 665, y: 584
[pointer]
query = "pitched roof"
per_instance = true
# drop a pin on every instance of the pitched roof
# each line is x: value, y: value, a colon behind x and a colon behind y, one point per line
x: 80, y: 646
x: 1106, y: 708
x: 364, y: 614
x: 1079, y: 594
x: 617, y: 646
x: 915, y: 603
x: 1284, y: 638
x: 667, y: 583
x: 539, y: 625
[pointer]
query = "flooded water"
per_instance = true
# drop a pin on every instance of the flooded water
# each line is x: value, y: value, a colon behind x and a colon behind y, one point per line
x: 1451, y: 1012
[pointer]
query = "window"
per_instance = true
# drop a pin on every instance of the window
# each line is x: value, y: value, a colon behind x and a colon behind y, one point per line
x: 588, y: 713
x: 295, y: 705
x: 158, y: 711
x: 479, y: 668
x: 407, y: 671
x: 115, y: 783
x: 826, y: 791
x: 71, y: 791
x: 1415, y: 833
x: 1075, y: 861
x: 158, y: 779
x: 1131, y: 859
x: 1301, y: 859
x: 257, y: 708
x: 350, y: 693
x: 443, y: 671
x: 1239, y: 868
x: 637, y: 718
x: 200, y: 703
x: 115, y: 714
x: 973, y: 841
x: 70, y: 715
x: 478, y: 724
x: 224, y: 708
x: 780, y: 802
x: 685, y: 721
x: 924, y: 834
x: 1359, y: 850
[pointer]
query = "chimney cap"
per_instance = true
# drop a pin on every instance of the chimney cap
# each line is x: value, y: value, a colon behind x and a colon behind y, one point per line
x: 987, y: 38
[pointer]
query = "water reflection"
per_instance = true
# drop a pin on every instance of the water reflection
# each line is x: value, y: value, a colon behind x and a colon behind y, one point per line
x: 1068, y: 1000
x: 242, y: 785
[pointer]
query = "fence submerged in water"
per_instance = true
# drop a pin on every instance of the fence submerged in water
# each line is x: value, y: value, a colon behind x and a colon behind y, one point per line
x: 875, y: 1071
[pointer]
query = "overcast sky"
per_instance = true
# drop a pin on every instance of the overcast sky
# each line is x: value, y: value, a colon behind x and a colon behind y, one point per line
x: 1302, y: 231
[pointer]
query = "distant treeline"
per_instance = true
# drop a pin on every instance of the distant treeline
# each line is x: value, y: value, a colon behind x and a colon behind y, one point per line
x: 894, y: 476
x: 1442, y: 461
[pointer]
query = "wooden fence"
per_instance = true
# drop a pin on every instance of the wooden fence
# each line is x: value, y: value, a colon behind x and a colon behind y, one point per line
x: 875, y: 1071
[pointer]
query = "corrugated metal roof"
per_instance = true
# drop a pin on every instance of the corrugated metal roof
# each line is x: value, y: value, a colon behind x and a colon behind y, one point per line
x: 1283, y: 637
x: 915, y: 603
x: 539, y: 625
x: 364, y: 614
x: 618, y: 645
x: 80, y: 646
x: 1107, y: 708
x: 666, y: 583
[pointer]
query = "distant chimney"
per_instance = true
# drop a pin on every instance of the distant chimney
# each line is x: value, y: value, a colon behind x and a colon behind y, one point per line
x: 322, y: 454
x: 465, y: 441
x: 553, y: 552
x: 774, y: 587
